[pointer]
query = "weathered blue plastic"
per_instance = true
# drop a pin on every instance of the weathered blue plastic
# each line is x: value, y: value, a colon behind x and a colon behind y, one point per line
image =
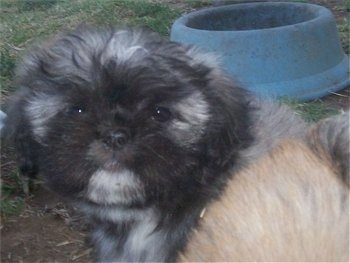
x: 276, y: 49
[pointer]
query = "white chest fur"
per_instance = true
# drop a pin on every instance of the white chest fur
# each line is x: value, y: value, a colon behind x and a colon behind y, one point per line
x: 146, y: 241
x: 141, y: 241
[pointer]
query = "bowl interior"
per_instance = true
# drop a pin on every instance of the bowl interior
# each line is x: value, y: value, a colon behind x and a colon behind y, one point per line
x: 251, y: 17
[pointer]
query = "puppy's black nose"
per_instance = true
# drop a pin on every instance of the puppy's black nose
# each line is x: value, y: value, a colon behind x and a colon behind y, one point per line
x: 116, y: 139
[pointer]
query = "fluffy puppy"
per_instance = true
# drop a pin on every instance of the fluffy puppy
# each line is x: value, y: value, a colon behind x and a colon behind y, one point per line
x: 291, y: 205
x: 139, y: 132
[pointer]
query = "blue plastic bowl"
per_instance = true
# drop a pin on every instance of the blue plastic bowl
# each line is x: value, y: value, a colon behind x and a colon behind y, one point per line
x: 274, y: 49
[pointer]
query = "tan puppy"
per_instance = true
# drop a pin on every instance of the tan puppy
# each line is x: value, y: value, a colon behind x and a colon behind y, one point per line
x: 291, y: 205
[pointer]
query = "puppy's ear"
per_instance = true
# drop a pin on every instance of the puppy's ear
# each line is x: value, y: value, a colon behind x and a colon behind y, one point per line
x: 330, y: 139
x: 229, y: 128
x: 17, y: 131
x: 232, y: 118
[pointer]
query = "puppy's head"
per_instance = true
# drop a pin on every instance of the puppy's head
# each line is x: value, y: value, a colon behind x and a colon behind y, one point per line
x: 123, y: 117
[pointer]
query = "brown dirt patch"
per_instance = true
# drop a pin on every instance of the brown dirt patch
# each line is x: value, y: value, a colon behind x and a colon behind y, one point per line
x: 46, y: 231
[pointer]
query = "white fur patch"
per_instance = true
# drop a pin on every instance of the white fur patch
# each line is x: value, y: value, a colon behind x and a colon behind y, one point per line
x: 122, y: 47
x: 145, y: 240
x: 114, y: 187
x: 114, y: 214
x: 194, y: 112
x: 211, y: 60
x: 105, y: 245
x: 40, y: 109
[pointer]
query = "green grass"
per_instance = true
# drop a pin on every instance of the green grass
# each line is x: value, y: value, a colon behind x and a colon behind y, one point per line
x: 11, y: 206
x: 21, y: 24
x: 346, y: 5
x: 198, y: 3
x: 344, y: 32
x: 7, y: 64
x: 311, y: 111
x: 344, y: 27
x: 12, y: 195
x: 26, y: 21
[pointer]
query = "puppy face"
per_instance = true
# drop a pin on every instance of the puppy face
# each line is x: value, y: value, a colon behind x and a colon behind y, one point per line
x: 122, y: 117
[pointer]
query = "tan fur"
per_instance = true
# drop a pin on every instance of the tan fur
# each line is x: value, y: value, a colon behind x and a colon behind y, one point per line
x: 291, y: 205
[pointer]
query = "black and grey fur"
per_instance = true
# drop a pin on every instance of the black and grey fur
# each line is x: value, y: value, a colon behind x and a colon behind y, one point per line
x: 139, y: 132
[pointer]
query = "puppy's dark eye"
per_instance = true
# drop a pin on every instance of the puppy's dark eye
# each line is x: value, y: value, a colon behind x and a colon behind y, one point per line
x: 161, y: 114
x: 75, y: 109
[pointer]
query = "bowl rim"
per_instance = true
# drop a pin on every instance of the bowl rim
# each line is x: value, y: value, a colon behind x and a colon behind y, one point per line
x: 183, y: 20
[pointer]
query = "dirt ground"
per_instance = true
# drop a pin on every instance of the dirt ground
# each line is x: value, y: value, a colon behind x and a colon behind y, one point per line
x: 44, y: 232
x: 49, y: 231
